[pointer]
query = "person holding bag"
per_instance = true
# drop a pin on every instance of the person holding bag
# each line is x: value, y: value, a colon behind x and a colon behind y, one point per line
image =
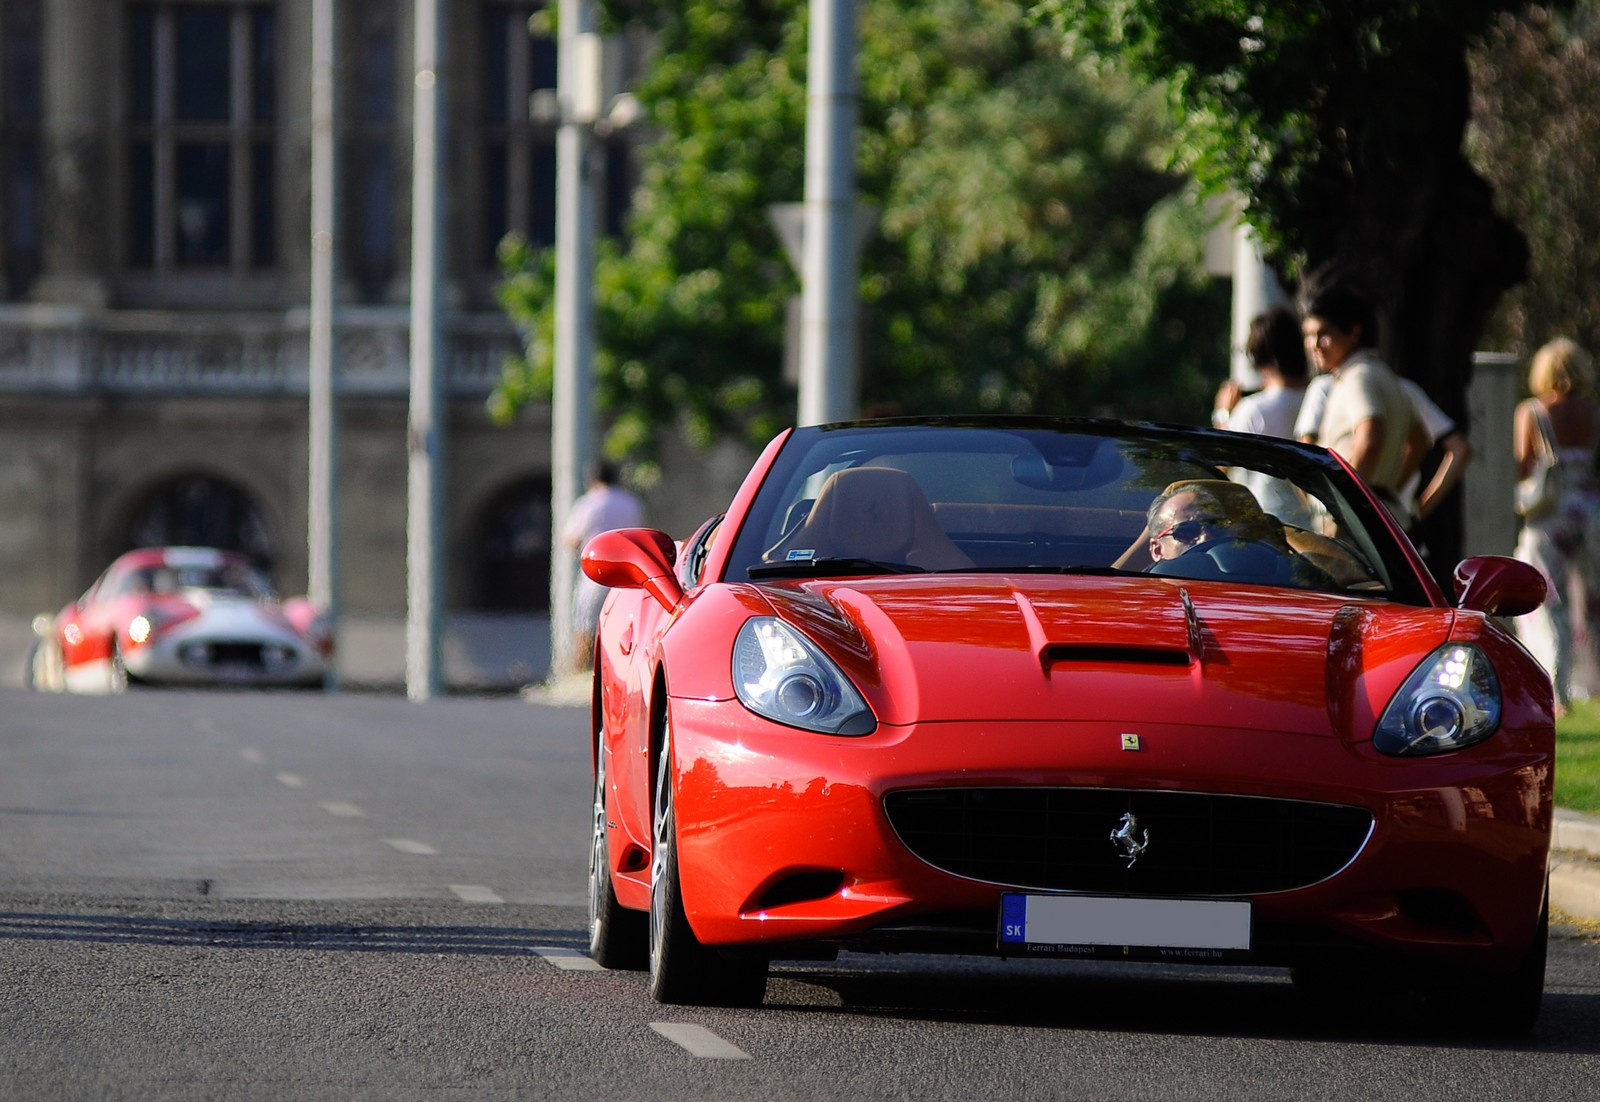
x: 1557, y: 432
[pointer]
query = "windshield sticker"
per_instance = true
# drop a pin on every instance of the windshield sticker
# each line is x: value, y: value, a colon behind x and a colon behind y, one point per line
x: 800, y: 554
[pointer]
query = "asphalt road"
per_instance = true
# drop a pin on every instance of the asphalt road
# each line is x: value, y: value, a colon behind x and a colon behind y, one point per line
x: 256, y: 896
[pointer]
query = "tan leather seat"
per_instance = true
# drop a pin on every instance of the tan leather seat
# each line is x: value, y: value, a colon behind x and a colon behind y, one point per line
x: 876, y: 513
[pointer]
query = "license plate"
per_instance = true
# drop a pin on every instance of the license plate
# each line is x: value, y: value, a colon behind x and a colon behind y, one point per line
x: 1093, y: 924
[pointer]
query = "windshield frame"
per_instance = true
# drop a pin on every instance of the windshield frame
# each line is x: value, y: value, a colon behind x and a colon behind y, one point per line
x: 1070, y: 449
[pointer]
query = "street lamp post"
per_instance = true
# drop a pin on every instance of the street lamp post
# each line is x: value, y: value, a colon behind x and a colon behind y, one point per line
x: 828, y: 279
x: 573, y: 428
x: 322, y: 583
x: 425, y: 430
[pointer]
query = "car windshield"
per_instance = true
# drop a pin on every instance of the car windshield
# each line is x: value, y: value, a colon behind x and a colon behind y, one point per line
x: 1066, y: 497
x: 218, y: 579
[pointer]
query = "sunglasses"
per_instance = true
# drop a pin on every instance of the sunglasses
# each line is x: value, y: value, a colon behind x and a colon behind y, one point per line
x: 1187, y: 531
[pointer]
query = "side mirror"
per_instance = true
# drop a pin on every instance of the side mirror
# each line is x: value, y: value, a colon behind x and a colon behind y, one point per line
x: 1499, y: 586
x: 635, y: 558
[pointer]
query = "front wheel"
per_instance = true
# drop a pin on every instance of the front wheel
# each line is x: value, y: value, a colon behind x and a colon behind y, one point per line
x: 617, y: 936
x: 46, y: 670
x: 682, y: 970
x: 1499, y: 1004
x: 117, y: 677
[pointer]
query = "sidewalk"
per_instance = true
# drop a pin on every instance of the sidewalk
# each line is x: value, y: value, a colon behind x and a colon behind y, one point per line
x: 1575, y: 865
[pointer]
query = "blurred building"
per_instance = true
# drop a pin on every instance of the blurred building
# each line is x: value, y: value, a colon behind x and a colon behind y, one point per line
x: 155, y: 280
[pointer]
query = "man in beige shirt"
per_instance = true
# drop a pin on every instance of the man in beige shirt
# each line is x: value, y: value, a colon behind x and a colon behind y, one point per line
x: 1368, y: 418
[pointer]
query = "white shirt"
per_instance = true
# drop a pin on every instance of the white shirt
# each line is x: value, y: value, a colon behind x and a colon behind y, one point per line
x: 1267, y: 412
x: 1435, y: 422
x: 601, y: 509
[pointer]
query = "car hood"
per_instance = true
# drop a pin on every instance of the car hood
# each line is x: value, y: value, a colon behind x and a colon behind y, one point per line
x: 1121, y: 649
x: 235, y: 617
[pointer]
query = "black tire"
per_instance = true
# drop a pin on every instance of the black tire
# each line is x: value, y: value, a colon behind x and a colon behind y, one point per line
x: 1502, y: 1004
x: 618, y: 937
x: 119, y: 680
x: 46, y: 669
x: 682, y: 970
x: 1507, y: 1004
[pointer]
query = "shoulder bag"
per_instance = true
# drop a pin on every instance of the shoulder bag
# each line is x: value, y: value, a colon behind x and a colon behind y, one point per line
x: 1538, y: 493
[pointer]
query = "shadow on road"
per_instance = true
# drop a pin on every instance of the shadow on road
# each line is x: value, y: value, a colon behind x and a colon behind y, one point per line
x: 111, y: 929
x: 1172, y: 1001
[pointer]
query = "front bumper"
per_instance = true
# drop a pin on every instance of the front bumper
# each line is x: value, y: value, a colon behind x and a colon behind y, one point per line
x: 188, y: 657
x: 785, y: 844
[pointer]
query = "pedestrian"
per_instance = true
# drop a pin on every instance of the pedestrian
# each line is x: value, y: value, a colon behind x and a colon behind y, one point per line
x: 1563, y: 541
x: 1278, y: 354
x: 604, y: 505
x: 1275, y: 349
x: 1367, y: 418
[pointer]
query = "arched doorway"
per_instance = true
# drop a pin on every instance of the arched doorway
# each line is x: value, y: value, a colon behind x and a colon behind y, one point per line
x: 202, y: 511
x: 513, y: 545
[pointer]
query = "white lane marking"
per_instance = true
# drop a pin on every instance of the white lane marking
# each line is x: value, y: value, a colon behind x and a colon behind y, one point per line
x: 343, y: 809
x: 252, y: 755
x: 406, y: 845
x: 291, y: 780
x: 699, y: 1041
x: 567, y: 960
x: 475, y: 893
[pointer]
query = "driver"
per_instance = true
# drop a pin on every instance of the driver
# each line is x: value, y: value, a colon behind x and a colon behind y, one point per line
x: 1214, y: 528
x: 1188, y: 515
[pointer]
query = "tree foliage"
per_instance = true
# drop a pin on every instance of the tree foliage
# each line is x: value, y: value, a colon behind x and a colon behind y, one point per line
x: 1536, y: 137
x: 1033, y: 251
x: 1342, y: 122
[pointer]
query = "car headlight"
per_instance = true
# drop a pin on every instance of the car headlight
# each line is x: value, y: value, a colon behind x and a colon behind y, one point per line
x: 780, y: 674
x: 1451, y: 701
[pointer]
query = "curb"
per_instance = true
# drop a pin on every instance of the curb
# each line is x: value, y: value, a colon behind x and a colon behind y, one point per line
x: 1575, y: 864
x: 1575, y: 886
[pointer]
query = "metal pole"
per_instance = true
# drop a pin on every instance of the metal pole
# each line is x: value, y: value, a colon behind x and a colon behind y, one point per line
x: 322, y: 583
x: 829, y: 277
x: 425, y: 431
x: 1255, y: 288
x: 573, y: 429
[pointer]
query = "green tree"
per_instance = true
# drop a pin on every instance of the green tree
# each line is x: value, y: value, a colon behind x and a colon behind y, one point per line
x: 1536, y: 138
x: 1342, y: 122
x: 1033, y: 251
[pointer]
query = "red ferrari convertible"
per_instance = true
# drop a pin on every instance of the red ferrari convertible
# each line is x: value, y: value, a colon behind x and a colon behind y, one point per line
x: 1043, y: 688
x: 180, y: 616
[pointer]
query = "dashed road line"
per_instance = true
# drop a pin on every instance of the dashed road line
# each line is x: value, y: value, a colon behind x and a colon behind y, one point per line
x: 291, y: 780
x: 475, y: 893
x: 252, y: 755
x: 699, y: 1041
x: 567, y: 960
x: 342, y: 809
x: 406, y: 845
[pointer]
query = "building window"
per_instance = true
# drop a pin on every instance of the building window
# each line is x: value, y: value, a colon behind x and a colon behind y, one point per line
x: 198, y: 510
x: 202, y: 119
x: 513, y: 549
x: 21, y: 107
x: 369, y: 168
x: 519, y: 151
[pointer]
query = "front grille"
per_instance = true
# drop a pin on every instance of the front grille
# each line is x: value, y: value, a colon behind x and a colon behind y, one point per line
x: 1060, y: 839
x: 236, y: 654
x: 219, y: 654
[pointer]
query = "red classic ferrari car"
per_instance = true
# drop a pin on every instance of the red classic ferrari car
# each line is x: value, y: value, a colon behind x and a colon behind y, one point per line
x: 180, y: 616
x: 1066, y: 688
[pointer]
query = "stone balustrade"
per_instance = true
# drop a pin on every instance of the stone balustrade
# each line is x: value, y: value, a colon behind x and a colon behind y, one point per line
x: 49, y: 349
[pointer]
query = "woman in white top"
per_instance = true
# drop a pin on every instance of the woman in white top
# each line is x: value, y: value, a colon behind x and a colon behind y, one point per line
x: 1275, y: 348
x: 1564, y: 543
